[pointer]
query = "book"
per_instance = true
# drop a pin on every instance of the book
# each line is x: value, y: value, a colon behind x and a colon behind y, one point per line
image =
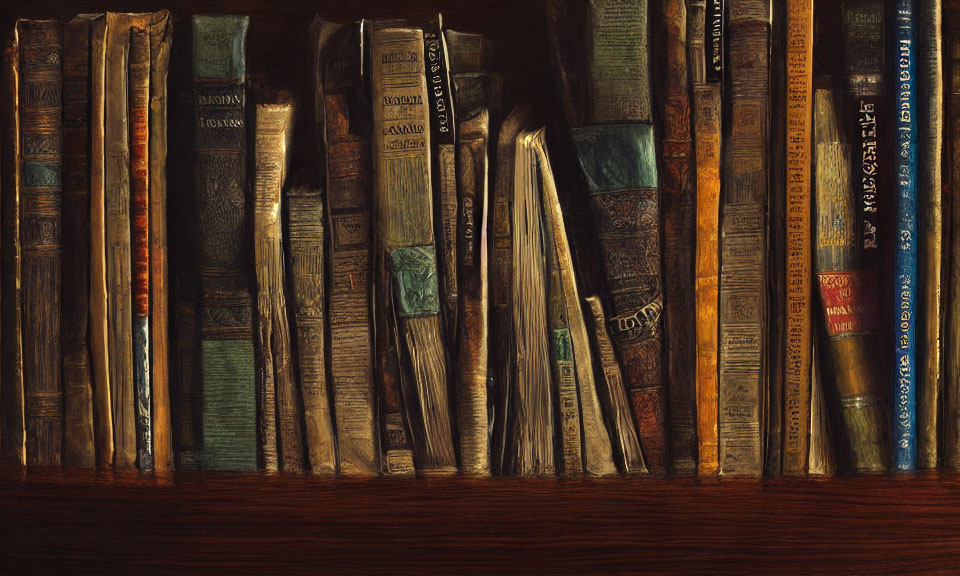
x: 618, y: 62
x: 279, y: 404
x: 79, y: 448
x: 228, y: 424
x: 849, y: 294
x: 820, y: 458
x: 349, y: 202
x: 930, y: 223
x: 951, y: 383
x: 799, y: 293
x: 707, y: 122
x: 13, y: 441
x: 40, y: 124
x: 743, y: 244
x: 402, y: 168
x: 138, y: 82
x: 160, y: 45
x: 679, y: 229
x: 905, y: 248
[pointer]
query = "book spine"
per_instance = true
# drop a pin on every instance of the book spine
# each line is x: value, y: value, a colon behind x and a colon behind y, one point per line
x: 160, y: 40
x: 619, y: 61
x: 707, y: 116
x: 714, y: 28
x: 798, y: 347
x: 951, y: 392
x: 139, y: 85
x: 930, y: 139
x: 13, y: 447
x: 305, y: 230
x: 79, y: 447
x: 41, y: 58
x: 678, y: 244
x: 401, y: 144
x: 99, y: 323
x: 227, y: 361
x: 905, y: 252
x: 822, y: 461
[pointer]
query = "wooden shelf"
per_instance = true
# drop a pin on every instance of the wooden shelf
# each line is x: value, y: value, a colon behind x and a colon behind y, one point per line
x: 105, y: 523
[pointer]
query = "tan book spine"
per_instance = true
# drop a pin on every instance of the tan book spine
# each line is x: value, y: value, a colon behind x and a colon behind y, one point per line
x: 821, y: 461
x: 799, y: 291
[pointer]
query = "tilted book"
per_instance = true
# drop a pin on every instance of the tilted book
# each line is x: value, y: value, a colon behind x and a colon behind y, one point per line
x: 228, y: 409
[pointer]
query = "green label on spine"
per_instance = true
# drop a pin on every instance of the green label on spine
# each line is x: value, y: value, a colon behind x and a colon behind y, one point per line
x: 415, y: 277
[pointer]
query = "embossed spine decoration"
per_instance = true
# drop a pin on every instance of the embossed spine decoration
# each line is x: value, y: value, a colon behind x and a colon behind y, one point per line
x: 79, y: 447
x: 798, y: 343
x: 278, y: 397
x: 848, y: 295
x: 743, y: 297
x: 951, y: 392
x: 228, y: 390
x: 401, y: 144
x: 618, y: 62
x: 349, y: 220
x: 930, y: 140
x: 707, y: 117
x: 678, y: 244
x: 13, y: 446
x: 40, y: 109
x: 905, y: 251
x: 139, y: 85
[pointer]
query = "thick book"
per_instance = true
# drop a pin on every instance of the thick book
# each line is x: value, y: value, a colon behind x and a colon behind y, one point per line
x: 707, y: 123
x: 40, y: 110
x: 228, y: 409
x: 743, y: 244
x: 404, y: 206
x: 679, y: 229
x: 279, y: 402
x: 346, y: 138
x: 138, y: 82
x: 930, y: 226
x: 849, y: 296
x: 79, y: 448
x: 799, y: 291
x: 905, y: 248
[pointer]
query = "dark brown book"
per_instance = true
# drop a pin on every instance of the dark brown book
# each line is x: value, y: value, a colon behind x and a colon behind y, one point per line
x: 41, y: 60
x: 951, y: 384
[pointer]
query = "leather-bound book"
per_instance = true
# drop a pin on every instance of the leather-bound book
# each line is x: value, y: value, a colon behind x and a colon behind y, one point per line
x: 139, y: 98
x: 227, y: 398
x: 930, y: 226
x: 349, y: 201
x: 40, y: 109
x: 799, y: 292
x: 79, y: 449
x: 743, y: 244
x: 161, y: 30
x: 707, y: 119
x: 905, y: 289
x: 848, y: 295
x: 951, y: 384
x: 679, y: 229
x: 279, y: 402
x: 13, y: 446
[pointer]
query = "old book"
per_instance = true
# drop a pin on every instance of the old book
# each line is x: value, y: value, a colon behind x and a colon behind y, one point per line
x: 227, y: 362
x: 620, y: 169
x: 618, y: 62
x: 707, y: 118
x: 905, y: 249
x: 160, y: 44
x: 679, y: 227
x: 848, y: 295
x: 714, y: 30
x: 951, y: 384
x: 40, y: 110
x: 597, y: 452
x: 349, y: 201
x: 743, y: 245
x: 444, y: 174
x: 277, y: 392
x: 799, y: 294
x: 79, y: 449
x: 13, y: 445
x: 820, y: 457
x: 930, y: 141
x: 139, y: 98
x: 305, y: 241
x: 401, y: 160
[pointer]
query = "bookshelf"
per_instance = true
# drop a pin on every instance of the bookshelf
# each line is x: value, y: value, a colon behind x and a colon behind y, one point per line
x: 126, y: 523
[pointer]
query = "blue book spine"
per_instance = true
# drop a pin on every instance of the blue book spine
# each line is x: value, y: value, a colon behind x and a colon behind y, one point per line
x: 905, y: 394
